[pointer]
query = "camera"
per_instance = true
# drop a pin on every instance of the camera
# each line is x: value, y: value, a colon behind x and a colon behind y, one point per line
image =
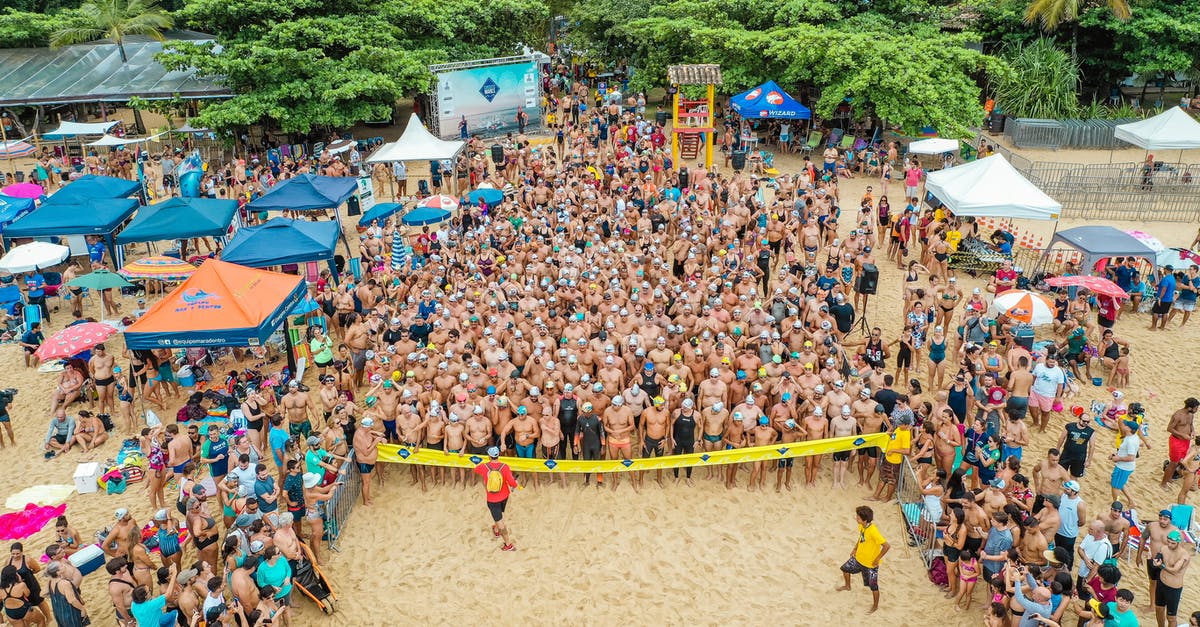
x: 6, y: 397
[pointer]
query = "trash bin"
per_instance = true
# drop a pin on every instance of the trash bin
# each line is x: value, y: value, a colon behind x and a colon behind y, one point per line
x: 738, y: 159
x: 498, y: 155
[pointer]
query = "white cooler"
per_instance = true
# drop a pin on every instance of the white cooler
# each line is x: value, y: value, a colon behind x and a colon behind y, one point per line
x: 86, y: 476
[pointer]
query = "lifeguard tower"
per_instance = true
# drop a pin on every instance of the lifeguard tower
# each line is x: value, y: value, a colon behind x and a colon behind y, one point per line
x: 692, y: 121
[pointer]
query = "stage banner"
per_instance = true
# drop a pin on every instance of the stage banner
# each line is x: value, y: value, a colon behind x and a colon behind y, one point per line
x: 432, y: 457
x: 489, y: 98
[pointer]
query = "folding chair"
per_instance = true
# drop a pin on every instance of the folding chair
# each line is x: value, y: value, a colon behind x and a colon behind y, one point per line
x: 848, y: 142
x: 1183, y: 516
x: 32, y: 313
x: 835, y: 137
x: 814, y: 140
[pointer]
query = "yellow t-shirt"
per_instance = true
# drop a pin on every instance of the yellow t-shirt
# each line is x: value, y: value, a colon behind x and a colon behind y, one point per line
x: 901, y: 439
x: 870, y: 544
x: 952, y: 239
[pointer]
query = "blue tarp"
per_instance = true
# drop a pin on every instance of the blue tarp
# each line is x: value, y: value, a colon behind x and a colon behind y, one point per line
x: 100, y: 216
x: 13, y: 208
x: 180, y: 218
x: 280, y: 241
x: 307, y: 192
x: 380, y: 212
x: 424, y: 215
x: 769, y: 101
x: 90, y: 186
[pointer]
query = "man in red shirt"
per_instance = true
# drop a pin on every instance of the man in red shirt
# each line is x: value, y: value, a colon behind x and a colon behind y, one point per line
x: 499, y: 482
x: 1006, y: 278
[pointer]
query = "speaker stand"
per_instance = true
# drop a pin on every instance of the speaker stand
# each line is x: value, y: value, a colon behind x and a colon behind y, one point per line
x: 862, y: 324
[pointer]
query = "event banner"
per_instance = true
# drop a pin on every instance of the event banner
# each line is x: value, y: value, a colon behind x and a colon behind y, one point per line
x: 489, y: 98
x: 392, y: 453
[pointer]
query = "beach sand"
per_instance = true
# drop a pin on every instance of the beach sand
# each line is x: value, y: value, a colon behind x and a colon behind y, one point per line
x: 700, y: 555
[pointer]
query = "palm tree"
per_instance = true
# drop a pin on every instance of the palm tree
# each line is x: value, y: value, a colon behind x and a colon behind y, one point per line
x: 115, y: 20
x: 1053, y: 13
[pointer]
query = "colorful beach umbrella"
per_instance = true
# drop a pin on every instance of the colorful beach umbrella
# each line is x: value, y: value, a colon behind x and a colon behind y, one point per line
x: 440, y: 201
x: 159, y: 267
x: 1178, y: 258
x: 1149, y: 240
x: 1096, y: 284
x: 33, y: 256
x: 1025, y: 306
x: 74, y: 340
x: 99, y: 280
x: 423, y: 216
x: 23, y: 190
x: 490, y: 196
x: 399, y: 251
x: 16, y: 148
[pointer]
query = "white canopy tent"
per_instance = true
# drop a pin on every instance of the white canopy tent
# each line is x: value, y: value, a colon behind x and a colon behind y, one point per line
x: 416, y: 144
x: 991, y: 187
x: 80, y: 128
x: 933, y: 146
x: 1172, y: 129
x: 109, y: 140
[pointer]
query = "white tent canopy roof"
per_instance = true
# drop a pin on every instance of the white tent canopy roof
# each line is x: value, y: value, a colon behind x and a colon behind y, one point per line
x: 110, y: 140
x: 991, y: 187
x: 933, y: 146
x: 1172, y: 129
x: 80, y: 128
x: 416, y: 144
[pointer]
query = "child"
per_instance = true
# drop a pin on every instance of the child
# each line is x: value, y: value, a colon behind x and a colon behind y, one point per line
x: 968, y: 574
x: 996, y: 616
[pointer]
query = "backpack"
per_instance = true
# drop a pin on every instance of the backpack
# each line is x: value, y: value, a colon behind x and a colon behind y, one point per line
x: 495, y: 480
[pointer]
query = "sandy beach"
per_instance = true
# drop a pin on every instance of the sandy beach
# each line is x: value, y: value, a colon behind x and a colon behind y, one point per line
x: 679, y: 555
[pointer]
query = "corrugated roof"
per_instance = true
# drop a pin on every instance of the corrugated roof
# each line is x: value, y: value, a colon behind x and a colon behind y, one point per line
x: 94, y: 72
x: 698, y: 74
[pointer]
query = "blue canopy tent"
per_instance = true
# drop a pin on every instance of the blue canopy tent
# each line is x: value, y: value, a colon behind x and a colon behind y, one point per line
x: 99, y: 216
x: 282, y: 240
x: 90, y: 186
x: 180, y: 218
x: 13, y: 208
x: 381, y: 211
x: 422, y: 216
x: 769, y: 101
x: 306, y: 192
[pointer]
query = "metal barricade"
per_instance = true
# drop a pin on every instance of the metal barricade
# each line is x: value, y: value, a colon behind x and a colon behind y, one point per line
x: 922, y: 533
x: 1034, y: 133
x: 337, y: 509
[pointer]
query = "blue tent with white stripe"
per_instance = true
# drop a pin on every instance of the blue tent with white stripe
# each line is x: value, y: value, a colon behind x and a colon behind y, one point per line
x: 769, y: 101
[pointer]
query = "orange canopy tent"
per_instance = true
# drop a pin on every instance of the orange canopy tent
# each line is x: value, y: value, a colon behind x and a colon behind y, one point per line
x: 221, y: 304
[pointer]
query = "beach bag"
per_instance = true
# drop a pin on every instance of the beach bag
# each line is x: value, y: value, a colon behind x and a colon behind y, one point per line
x: 495, y: 480
x: 114, y: 482
x: 937, y: 572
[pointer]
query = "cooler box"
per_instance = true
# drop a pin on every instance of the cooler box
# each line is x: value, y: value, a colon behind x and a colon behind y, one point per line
x: 87, y: 559
x: 86, y: 475
x: 185, y: 377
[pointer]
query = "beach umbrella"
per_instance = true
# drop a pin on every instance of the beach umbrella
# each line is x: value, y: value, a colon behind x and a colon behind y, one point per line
x: 16, y: 148
x: 490, y: 196
x: 74, y: 340
x: 34, y: 255
x: 1178, y: 258
x: 340, y: 146
x: 423, y: 216
x: 399, y: 251
x: 441, y: 201
x: 160, y: 267
x: 1025, y: 306
x: 23, y: 190
x: 1096, y: 284
x: 99, y: 280
x: 1149, y: 240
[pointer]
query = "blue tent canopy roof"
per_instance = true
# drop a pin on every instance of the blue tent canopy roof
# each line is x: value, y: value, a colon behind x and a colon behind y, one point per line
x: 380, y: 211
x: 91, y: 217
x: 179, y: 218
x: 307, y: 192
x: 13, y: 208
x: 424, y: 215
x: 769, y: 101
x: 90, y: 186
x: 280, y: 241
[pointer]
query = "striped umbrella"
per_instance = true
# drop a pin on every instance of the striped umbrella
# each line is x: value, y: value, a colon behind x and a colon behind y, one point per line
x: 74, y: 340
x: 1025, y: 306
x: 160, y: 267
x: 441, y: 201
x: 16, y: 148
x: 399, y: 251
x: 1149, y: 240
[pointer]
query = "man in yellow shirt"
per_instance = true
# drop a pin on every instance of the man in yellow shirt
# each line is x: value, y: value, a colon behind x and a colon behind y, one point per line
x: 897, y: 448
x: 868, y: 551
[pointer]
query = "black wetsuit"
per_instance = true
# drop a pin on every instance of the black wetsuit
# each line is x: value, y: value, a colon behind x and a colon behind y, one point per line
x: 684, y: 434
x: 568, y: 419
x: 650, y: 384
x: 590, y: 431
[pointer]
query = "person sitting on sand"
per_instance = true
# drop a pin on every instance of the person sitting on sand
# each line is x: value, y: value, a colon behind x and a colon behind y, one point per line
x: 90, y: 431
x: 60, y: 437
x: 30, y: 341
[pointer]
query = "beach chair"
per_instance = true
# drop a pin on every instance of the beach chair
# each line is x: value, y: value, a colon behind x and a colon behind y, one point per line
x: 318, y: 148
x: 814, y: 140
x: 356, y: 268
x: 311, y: 272
x: 835, y: 137
x: 33, y: 313
x: 1183, y: 516
x: 9, y: 296
x: 848, y: 142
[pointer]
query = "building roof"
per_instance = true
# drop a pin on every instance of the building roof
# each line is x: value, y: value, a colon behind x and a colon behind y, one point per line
x: 699, y: 74
x: 93, y: 72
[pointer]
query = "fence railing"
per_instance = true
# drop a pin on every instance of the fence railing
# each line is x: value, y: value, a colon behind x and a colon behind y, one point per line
x: 341, y: 503
x: 921, y: 533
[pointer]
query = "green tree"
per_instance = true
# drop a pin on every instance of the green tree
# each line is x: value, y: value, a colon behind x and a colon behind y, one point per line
x: 115, y: 20
x: 1051, y: 14
x: 1043, y: 83
x: 22, y: 29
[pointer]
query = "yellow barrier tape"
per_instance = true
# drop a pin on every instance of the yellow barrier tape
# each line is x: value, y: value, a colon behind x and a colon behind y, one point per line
x: 433, y: 457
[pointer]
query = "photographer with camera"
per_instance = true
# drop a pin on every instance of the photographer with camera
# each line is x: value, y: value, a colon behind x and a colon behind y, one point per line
x: 6, y: 398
